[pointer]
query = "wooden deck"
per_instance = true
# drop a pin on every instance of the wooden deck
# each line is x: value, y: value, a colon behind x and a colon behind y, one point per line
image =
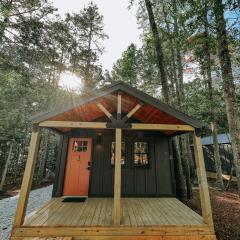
x: 141, y: 219
x: 98, y: 212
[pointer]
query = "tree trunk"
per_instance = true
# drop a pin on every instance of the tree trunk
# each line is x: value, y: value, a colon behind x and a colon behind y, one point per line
x: 180, y: 180
x: 6, y: 166
x: 186, y: 165
x: 218, y: 164
x: 174, y: 81
x: 228, y: 84
x: 159, y: 51
x: 230, y: 179
x: 185, y: 147
x: 208, y: 69
x: 42, y: 165
x: 165, y: 92
x: 183, y: 166
x: 88, y: 81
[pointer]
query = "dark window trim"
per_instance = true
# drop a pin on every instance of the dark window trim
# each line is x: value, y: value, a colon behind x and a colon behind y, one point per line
x: 125, y: 159
x: 145, y: 166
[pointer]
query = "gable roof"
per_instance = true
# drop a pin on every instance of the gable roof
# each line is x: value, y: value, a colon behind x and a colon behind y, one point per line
x: 111, y: 89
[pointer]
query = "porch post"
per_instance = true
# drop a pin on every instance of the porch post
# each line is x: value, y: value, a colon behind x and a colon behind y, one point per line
x: 202, y: 179
x: 117, y: 178
x: 27, y: 178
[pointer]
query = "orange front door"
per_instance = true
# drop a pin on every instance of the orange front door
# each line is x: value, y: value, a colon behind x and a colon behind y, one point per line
x: 78, y: 167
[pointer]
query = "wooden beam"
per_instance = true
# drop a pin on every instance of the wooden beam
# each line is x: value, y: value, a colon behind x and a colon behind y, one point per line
x: 174, y: 127
x: 202, y: 179
x: 27, y: 178
x: 135, y: 126
x: 117, y: 178
x: 113, y: 231
x: 135, y: 109
x: 119, y: 103
x: 104, y: 110
x: 70, y: 124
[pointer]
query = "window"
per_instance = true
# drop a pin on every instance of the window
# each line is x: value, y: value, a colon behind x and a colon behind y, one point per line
x: 141, y: 154
x: 80, y: 146
x: 113, y: 153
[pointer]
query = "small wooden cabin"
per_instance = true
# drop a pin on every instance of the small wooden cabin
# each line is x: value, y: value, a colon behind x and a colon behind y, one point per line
x: 115, y: 172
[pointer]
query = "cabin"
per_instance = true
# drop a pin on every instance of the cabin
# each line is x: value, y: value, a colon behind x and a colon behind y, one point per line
x: 115, y: 174
x: 226, y: 156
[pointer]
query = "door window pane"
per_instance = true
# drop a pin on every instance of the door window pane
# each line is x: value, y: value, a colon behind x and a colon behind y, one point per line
x: 80, y: 146
x: 113, y: 153
x: 141, y: 154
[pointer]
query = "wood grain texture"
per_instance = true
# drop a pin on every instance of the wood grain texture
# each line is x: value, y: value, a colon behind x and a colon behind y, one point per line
x: 169, y: 127
x: 99, y: 212
x: 104, y: 110
x: 167, y: 232
x: 192, y: 237
x: 202, y: 179
x: 27, y: 178
x: 117, y: 178
x: 134, y: 110
x: 119, y: 103
x: 71, y: 124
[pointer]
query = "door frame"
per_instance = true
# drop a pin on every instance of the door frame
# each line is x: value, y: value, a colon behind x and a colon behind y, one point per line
x: 66, y: 158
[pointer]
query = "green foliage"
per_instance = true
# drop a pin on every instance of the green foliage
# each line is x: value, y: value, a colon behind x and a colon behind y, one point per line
x: 36, y: 46
x: 86, y: 29
x: 197, y: 105
x: 139, y: 66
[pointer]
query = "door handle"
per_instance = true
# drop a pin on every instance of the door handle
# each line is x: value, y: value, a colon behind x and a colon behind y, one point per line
x: 88, y: 168
x: 79, y: 158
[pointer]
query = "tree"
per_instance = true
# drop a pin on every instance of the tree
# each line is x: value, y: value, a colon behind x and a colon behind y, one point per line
x: 36, y: 46
x: 126, y: 68
x: 159, y: 51
x: 203, y: 44
x: 86, y: 29
x: 228, y: 84
x: 157, y: 41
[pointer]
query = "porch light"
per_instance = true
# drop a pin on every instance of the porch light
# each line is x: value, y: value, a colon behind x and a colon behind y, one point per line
x: 99, y: 139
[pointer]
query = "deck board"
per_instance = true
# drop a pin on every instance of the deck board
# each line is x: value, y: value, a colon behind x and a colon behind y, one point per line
x: 98, y: 212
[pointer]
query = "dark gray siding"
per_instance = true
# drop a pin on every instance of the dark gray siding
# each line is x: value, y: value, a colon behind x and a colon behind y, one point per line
x: 156, y: 180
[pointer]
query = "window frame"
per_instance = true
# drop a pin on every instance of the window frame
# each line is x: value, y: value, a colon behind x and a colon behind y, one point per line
x: 147, y: 153
x: 124, y: 149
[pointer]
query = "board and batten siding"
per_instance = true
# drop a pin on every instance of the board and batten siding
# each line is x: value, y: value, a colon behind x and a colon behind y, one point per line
x: 157, y: 179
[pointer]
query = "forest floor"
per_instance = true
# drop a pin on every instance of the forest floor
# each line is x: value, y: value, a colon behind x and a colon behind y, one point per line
x: 226, y: 211
x: 12, y: 190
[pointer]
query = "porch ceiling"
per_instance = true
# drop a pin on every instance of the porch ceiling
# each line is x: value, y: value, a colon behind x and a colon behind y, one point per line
x: 153, y: 111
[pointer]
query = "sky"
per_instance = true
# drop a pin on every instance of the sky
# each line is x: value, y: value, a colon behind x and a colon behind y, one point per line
x: 120, y: 25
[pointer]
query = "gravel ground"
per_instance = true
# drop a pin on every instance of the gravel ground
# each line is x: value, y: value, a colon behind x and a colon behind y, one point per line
x: 8, y: 207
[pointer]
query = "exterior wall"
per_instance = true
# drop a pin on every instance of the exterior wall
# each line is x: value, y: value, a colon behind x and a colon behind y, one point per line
x: 158, y: 179
x: 226, y: 156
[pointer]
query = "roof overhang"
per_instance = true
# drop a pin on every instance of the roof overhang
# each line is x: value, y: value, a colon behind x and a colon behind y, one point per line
x: 153, y: 111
